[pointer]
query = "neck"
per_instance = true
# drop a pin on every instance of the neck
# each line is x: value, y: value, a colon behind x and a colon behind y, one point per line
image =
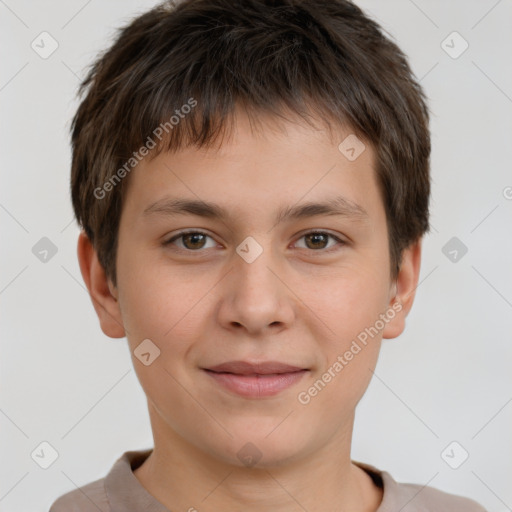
x: 183, y: 477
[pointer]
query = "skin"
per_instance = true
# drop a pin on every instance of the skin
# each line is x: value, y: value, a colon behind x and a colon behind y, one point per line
x: 296, y: 303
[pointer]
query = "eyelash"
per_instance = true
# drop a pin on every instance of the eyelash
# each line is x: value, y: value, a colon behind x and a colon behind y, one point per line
x: 196, y: 232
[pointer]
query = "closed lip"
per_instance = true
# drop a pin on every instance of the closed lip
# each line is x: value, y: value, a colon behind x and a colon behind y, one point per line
x: 254, y: 368
x: 255, y: 379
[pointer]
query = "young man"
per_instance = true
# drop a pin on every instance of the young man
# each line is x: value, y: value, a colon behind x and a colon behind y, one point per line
x: 252, y: 179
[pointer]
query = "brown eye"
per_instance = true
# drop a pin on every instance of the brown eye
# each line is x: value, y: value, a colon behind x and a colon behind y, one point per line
x: 191, y: 241
x: 319, y: 240
x: 316, y: 240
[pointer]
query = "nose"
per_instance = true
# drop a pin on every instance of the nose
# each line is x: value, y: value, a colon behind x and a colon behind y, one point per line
x: 255, y: 296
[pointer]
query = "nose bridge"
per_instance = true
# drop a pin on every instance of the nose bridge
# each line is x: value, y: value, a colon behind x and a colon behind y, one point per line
x: 256, y: 297
x: 252, y: 268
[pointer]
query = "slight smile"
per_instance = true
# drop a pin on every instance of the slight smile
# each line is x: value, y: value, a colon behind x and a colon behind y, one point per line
x: 256, y: 380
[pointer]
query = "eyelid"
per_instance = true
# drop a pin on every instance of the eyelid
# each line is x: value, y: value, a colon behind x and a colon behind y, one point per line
x: 341, y: 241
x: 180, y: 234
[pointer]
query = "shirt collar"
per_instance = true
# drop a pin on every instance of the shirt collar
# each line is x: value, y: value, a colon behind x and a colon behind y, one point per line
x: 125, y: 492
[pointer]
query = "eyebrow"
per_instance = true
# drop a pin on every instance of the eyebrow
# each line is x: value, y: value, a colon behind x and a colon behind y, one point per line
x: 339, y: 206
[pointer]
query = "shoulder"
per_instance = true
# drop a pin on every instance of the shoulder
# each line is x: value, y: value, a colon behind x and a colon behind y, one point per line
x: 424, y: 498
x: 88, y: 498
x: 408, y: 497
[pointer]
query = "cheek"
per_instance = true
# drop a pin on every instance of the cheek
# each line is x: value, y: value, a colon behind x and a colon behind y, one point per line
x: 334, y: 393
x: 348, y: 302
x: 168, y: 312
x: 156, y: 298
x: 349, y: 305
x: 349, y: 349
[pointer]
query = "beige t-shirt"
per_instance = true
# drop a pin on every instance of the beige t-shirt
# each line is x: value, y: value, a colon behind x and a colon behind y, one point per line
x: 120, y: 491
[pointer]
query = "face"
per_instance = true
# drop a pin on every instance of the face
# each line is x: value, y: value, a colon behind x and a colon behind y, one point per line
x: 264, y: 318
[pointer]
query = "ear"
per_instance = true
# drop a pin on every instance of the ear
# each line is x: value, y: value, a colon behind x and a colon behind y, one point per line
x: 403, y: 290
x: 101, y: 289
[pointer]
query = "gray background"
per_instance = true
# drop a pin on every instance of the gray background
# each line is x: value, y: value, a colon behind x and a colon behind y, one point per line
x: 447, y: 378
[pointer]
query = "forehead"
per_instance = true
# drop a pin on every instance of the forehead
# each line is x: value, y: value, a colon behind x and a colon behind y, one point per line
x: 258, y: 166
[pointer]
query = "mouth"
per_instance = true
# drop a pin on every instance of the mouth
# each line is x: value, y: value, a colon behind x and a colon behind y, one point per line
x: 255, y: 380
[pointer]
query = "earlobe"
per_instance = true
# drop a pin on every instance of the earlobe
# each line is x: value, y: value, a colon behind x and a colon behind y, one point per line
x: 404, y: 290
x: 103, y: 294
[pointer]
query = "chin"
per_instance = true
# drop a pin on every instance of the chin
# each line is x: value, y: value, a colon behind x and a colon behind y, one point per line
x: 262, y: 448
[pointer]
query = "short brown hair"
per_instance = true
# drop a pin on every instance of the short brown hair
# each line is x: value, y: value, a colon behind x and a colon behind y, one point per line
x: 267, y: 55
